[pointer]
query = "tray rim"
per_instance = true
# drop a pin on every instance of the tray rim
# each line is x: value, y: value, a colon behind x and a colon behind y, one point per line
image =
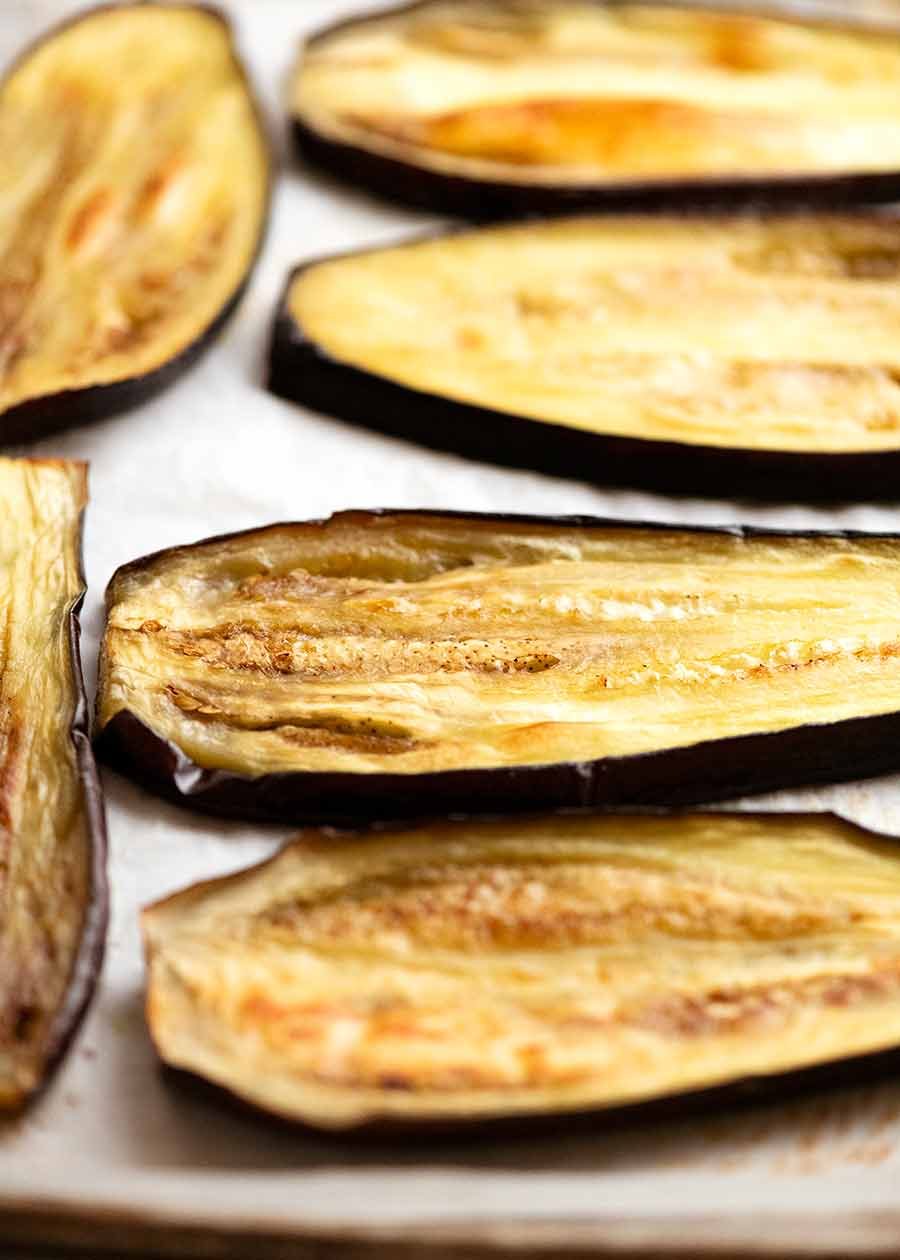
x: 55, y: 1221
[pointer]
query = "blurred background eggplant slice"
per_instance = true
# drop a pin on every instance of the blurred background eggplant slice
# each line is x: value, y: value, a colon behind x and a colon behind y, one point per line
x: 475, y: 970
x: 135, y: 179
x: 53, y: 894
x: 706, y: 355
x: 483, y: 107
x: 410, y: 663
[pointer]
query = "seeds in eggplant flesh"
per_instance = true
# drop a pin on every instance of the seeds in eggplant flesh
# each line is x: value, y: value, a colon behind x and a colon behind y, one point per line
x: 52, y: 843
x: 600, y: 346
x: 474, y: 970
x: 375, y: 664
x: 136, y: 204
x: 571, y: 98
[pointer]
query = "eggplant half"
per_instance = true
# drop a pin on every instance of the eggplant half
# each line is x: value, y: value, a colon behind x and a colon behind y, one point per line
x: 483, y: 970
x: 378, y: 665
x: 486, y: 108
x: 53, y: 894
x: 706, y: 354
x: 136, y: 182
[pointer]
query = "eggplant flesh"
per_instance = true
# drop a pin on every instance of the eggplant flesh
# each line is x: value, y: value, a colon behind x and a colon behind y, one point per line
x: 603, y: 96
x: 751, y: 337
x: 52, y: 840
x: 414, y: 644
x: 136, y: 195
x: 476, y: 969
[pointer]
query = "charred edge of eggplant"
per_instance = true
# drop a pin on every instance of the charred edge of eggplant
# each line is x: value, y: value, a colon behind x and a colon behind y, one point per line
x: 693, y: 774
x: 303, y: 372
x: 40, y: 417
x: 482, y: 200
x: 88, y: 961
x: 740, y: 1093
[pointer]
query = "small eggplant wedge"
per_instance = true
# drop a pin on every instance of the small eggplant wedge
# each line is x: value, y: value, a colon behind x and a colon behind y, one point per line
x: 378, y: 665
x: 53, y: 895
x: 136, y: 192
x: 487, y: 970
x: 709, y: 355
x: 486, y: 108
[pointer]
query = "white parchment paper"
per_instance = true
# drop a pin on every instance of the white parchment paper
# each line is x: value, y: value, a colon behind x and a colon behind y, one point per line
x: 218, y: 453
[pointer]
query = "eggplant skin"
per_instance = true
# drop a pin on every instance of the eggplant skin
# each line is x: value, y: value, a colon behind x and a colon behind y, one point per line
x: 153, y: 316
x: 646, y: 406
x: 55, y: 850
x: 220, y: 713
x: 504, y: 972
x: 477, y: 201
x: 493, y: 185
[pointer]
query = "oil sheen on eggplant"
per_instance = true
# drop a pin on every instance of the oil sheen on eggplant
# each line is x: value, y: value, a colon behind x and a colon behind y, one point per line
x: 761, y: 342
x: 477, y: 969
x: 489, y: 101
x: 135, y: 197
x: 387, y: 662
x: 52, y: 840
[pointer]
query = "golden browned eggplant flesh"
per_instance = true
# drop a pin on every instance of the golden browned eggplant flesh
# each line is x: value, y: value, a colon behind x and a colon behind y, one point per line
x: 569, y: 95
x: 544, y: 655
x: 478, y: 969
x: 776, y: 334
x: 135, y: 179
x: 53, y: 901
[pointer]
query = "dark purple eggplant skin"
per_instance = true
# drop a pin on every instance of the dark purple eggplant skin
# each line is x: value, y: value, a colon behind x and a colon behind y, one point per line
x: 36, y: 418
x: 482, y: 200
x: 88, y: 962
x: 301, y: 371
x: 692, y: 774
x: 738, y: 1094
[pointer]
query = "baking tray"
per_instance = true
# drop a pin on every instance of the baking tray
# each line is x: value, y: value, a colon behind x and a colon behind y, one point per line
x: 115, y: 1159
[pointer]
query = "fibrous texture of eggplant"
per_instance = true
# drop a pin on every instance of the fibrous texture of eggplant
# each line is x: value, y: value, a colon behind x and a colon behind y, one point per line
x: 135, y: 178
x: 753, y: 354
x: 52, y: 841
x: 485, y: 106
x: 380, y: 664
x: 469, y: 970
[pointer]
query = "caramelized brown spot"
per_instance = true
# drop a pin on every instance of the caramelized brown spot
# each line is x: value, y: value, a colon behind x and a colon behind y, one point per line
x: 741, y: 43
x: 470, y: 338
x: 362, y: 735
x: 607, y: 132
x: 719, y: 1012
x: 91, y: 217
x: 359, y: 736
x: 158, y: 185
x: 11, y: 767
x: 551, y: 907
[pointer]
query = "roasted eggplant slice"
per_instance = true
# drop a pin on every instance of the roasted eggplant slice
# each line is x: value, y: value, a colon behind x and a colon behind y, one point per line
x: 135, y: 185
x: 485, y: 969
x: 397, y: 663
x: 53, y: 898
x: 485, y: 107
x: 708, y: 355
